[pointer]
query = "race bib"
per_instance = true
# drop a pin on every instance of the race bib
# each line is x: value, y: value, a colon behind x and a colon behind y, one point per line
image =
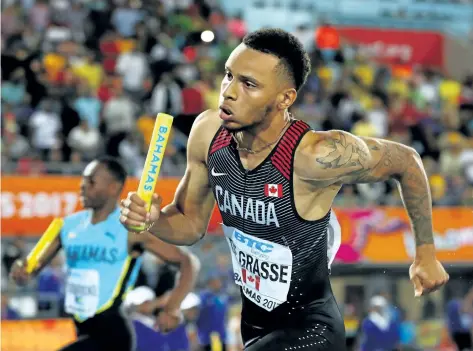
x: 262, y: 268
x: 82, y: 292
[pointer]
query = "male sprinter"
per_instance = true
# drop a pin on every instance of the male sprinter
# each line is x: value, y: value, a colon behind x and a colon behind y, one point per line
x: 103, y: 264
x: 274, y: 181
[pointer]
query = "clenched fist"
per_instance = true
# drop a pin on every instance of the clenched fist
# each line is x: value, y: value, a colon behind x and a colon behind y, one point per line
x: 427, y: 275
x: 134, y: 212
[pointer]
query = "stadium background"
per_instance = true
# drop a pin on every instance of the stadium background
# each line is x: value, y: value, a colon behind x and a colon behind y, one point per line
x: 82, y: 78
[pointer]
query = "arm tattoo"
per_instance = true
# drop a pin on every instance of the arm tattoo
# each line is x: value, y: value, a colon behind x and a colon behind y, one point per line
x: 368, y: 161
x: 415, y: 192
x: 351, y: 159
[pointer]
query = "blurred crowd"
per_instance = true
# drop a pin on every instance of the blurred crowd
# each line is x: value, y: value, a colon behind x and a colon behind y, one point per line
x: 82, y: 78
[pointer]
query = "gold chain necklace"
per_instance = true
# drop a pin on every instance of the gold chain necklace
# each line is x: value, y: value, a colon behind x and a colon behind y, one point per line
x: 253, y: 152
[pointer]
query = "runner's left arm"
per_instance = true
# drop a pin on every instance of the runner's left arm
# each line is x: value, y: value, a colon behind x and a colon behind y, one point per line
x: 337, y: 158
x: 19, y: 272
x: 48, y: 255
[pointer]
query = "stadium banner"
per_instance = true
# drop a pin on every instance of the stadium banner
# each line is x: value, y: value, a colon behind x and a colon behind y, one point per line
x: 388, y: 45
x: 384, y: 235
x: 30, y: 204
x: 374, y: 235
x: 37, y: 335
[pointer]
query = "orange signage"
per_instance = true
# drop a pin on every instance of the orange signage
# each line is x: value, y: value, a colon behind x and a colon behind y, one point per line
x: 37, y: 335
x: 30, y: 204
x: 384, y: 235
x: 374, y: 235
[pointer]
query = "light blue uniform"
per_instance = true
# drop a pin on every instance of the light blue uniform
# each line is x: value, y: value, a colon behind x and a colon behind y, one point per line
x: 99, y: 269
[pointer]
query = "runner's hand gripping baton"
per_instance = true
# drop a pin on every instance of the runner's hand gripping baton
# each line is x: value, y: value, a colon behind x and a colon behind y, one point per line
x: 154, y: 159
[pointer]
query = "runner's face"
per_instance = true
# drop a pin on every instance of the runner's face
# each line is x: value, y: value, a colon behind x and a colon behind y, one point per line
x: 250, y: 89
x: 96, y: 186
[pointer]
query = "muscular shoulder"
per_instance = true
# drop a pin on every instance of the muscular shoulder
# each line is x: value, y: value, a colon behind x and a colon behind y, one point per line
x: 320, y: 151
x: 203, y: 130
x: 337, y: 157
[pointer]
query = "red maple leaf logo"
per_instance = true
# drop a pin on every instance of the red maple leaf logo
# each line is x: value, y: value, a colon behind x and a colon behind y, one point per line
x: 251, y: 279
x: 273, y: 189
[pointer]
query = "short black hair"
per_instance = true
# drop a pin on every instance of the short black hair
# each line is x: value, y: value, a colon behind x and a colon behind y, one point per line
x: 286, y: 47
x: 115, y: 167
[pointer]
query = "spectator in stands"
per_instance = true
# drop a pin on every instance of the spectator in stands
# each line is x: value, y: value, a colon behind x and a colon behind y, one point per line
x: 378, y: 117
x: 363, y: 126
x: 105, y: 90
x: 305, y: 34
x: 11, y: 21
x: 134, y: 68
x: 55, y: 34
x: 213, y: 313
x: 327, y: 40
x: 453, y: 145
x: 131, y: 151
x: 407, y: 331
x: 14, y: 90
x: 449, y: 90
x: 310, y: 111
x: 76, y: 16
x: 12, y: 251
x: 211, y: 91
x: 393, y: 311
x: 90, y: 72
x: 438, y: 187
x: 379, y: 331
x: 45, y: 126
x: 88, y: 106
x: 40, y: 15
x: 145, y: 125
x: 118, y: 117
x: 125, y: 18
x: 84, y: 140
x: 16, y: 146
x: 460, y: 319
x: 237, y: 26
x: 8, y: 312
x: 428, y: 87
x: 166, y: 96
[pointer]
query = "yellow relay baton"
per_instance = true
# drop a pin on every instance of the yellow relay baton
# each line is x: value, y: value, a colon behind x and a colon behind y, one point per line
x: 154, y: 159
x: 42, y: 245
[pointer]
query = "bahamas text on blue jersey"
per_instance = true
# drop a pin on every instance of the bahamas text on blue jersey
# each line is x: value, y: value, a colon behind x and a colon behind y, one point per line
x: 97, y: 253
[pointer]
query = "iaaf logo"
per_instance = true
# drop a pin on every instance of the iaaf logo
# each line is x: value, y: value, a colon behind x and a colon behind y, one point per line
x: 380, y: 49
